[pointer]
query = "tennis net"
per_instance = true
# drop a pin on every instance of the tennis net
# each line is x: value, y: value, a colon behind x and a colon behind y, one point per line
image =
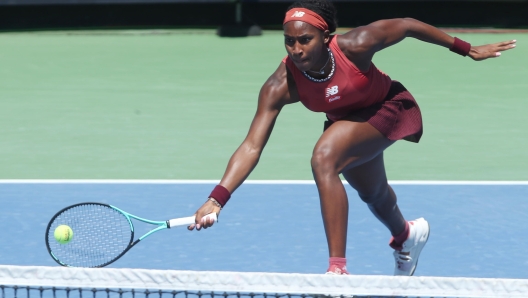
x: 39, y: 281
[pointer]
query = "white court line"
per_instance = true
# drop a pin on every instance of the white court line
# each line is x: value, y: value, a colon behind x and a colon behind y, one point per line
x: 168, y: 181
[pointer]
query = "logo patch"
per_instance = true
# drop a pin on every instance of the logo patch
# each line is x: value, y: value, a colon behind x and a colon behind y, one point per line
x: 330, y: 92
x: 298, y: 14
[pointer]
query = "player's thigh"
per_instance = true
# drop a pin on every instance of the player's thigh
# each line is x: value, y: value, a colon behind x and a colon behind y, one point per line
x: 347, y: 144
x: 368, y: 178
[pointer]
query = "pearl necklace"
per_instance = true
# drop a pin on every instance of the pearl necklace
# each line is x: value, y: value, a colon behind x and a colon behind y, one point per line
x: 329, y: 75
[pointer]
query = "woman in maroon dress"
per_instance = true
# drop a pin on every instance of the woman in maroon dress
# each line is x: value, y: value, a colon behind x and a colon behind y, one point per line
x: 366, y: 110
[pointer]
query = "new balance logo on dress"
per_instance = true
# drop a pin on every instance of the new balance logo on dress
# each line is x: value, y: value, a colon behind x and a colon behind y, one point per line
x: 330, y: 92
x: 298, y: 14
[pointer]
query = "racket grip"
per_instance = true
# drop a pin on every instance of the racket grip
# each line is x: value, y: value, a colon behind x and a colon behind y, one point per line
x: 185, y: 221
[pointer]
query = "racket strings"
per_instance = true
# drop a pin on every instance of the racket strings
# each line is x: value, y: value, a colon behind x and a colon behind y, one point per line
x: 100, y: 234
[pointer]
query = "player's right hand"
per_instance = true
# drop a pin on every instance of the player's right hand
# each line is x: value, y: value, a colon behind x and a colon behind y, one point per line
x: 201, y: 221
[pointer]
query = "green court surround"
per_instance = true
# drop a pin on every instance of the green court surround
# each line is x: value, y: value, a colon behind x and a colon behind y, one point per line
x: 169, y: 105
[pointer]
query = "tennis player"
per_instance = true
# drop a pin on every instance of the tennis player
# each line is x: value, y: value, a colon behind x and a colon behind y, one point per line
x: 367, y: 112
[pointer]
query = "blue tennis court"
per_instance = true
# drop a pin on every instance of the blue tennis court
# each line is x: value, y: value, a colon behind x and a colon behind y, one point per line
x: 476, y: 230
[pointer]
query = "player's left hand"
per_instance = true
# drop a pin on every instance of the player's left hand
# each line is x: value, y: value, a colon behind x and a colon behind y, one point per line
x: 493, y: 50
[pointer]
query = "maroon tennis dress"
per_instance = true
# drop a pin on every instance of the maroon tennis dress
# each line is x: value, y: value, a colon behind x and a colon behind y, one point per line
x: 371, y: 96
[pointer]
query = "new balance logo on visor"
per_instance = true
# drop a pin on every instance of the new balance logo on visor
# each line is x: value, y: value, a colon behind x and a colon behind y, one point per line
x: 298, y: 14
x: 330, y: 92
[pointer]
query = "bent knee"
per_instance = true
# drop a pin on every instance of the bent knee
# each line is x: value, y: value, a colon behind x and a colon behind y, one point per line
x: 323, y: 159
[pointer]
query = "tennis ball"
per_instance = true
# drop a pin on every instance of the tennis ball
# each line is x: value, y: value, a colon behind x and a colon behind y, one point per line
x: 63, y: 234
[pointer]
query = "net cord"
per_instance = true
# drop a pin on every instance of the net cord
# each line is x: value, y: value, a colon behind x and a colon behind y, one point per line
x: 253, y: 282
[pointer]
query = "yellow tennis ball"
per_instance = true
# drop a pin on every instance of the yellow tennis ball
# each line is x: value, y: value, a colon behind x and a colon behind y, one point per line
x: 63, y: 234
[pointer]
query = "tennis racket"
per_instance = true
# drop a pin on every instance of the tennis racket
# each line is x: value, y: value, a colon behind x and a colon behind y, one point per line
x: 102, y: 234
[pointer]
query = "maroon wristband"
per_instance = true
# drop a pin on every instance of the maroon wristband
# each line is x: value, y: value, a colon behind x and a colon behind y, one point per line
x: 220, y: 194
x: 460, y: 47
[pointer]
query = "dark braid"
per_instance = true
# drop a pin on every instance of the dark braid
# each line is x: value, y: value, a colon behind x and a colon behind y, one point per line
x: 324, y: 8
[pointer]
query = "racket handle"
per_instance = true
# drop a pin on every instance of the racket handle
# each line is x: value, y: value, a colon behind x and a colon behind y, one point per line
x: 185, y: 221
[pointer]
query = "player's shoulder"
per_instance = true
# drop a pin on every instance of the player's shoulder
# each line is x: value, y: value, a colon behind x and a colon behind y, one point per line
x: 278, y: 78
x: 359, y: 37
x: 275, y: 89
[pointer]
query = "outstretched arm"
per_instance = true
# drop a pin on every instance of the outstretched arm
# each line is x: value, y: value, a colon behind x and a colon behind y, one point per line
x: 273, y: 96
x: 365, y: 41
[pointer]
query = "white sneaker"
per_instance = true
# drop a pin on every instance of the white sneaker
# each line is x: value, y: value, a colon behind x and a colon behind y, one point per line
x: 407, y: 258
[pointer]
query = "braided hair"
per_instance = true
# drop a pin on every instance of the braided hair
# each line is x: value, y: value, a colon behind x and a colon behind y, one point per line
x: 324, y: 8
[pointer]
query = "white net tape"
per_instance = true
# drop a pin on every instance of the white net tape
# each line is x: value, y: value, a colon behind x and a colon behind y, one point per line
x: 253, y: 282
